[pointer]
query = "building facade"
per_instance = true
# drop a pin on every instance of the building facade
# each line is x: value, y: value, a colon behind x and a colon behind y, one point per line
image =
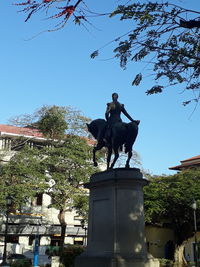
x: 36, y: 218
x: 189, y: 251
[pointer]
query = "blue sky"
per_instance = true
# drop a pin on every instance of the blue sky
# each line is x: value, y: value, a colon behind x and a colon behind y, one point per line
x: 55, y: 68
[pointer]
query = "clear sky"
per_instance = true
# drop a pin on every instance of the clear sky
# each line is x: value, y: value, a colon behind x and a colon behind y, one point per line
x: 56, y: 69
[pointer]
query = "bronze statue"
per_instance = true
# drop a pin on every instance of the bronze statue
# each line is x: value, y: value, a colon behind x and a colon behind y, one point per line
x: 113, y: 113
x: 114, y: 110
x: 113, y: 133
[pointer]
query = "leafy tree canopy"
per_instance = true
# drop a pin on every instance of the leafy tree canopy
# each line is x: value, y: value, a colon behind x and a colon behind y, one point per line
x: 69, y: 166
x: 58, y: 170
x: 168, y: 200
x: 22, y: 177
x: 57, y: 167
x: 165, y: 39
x: 54, y: 121
x: 164, y: 36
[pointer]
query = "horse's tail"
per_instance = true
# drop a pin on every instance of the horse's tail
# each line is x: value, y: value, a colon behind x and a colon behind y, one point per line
x: 132, y: 131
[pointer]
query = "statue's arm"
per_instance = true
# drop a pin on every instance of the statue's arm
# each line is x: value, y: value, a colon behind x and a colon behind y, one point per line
x: 107, y: 111
x: 128, y: 116
x: 126, y: 113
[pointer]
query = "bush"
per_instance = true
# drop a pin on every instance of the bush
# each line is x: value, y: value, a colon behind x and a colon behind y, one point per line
x: 166, y: 263
x: 53, y: 251
x: 21, y: 263
x: 69, y: 254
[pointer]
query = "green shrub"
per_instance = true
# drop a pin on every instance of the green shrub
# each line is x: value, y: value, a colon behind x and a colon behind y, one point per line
x: 166, y: 263
x: 21, y: 263
x: 69, y: 254
x: 53, y: 251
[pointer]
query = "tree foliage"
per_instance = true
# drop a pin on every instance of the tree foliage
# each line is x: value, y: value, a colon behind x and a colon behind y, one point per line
x: 59, y: 167
x: 164, y: 36
x: 58, y: 170
x: 54, y: 121
x: 69, y: 166
x: 168, y: 200
x: 22, y: 177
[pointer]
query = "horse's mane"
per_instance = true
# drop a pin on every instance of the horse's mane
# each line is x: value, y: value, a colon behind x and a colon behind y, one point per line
x: 98, y: 123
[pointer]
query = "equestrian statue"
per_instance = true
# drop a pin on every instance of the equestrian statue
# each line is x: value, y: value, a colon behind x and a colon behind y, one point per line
x: 114, y: 134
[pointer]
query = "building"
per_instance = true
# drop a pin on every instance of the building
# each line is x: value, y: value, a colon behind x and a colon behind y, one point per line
x: 36, y: 218
x: 160, y: 241
x: 190, y: 163
x: 193, y: 162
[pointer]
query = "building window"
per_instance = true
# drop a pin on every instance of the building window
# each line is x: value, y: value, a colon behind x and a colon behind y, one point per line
x: 5, y: 143
x: 30, y: 240
x: 55, y: 241
x: 78, y: 242
x: 77, y: 221
x: 13, y: 239
x: 39, y: 198
x: 37, y: 201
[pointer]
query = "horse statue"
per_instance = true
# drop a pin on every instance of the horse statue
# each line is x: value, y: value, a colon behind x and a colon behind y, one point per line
x: 121, y: 134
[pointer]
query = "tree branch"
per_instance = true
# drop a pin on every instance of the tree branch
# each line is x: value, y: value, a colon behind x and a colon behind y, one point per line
x: 189, y: 24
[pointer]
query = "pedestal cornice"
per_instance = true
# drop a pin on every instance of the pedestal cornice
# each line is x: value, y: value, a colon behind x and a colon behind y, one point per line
x: 121, y: 176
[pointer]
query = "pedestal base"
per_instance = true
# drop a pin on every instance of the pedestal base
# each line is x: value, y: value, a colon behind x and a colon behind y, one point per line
x: 116, y: 221
x: 114, y: 261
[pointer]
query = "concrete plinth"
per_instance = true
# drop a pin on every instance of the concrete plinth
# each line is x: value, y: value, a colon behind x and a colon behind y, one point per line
x: 116, y: 221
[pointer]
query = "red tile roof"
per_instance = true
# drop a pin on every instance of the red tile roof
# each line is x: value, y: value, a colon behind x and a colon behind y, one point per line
x: 20, y: 130
x: 187, y: 163
x: 9, y: 129
x: 197, y: 157
x: 90, y: 141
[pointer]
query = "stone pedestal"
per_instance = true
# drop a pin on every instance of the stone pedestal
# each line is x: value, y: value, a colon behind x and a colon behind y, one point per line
x: 116, y: 221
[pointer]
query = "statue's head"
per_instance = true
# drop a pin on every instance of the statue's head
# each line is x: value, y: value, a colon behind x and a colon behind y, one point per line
x: 114, y: 96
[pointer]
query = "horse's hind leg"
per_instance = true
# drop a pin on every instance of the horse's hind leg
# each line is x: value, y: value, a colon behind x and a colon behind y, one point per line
x: 115, y: 158
x: 128, y: 160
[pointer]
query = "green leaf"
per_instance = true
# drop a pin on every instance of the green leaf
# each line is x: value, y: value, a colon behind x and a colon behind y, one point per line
x: 137, y: 79
x: 155, y: 90
x: 94, y: 54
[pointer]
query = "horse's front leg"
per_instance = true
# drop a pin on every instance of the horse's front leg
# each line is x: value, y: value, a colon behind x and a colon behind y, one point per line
x: 96, y: 148
x: 128, y: 160
x: 109, y: 156
x: 94, y: 157
x: 116, y: 151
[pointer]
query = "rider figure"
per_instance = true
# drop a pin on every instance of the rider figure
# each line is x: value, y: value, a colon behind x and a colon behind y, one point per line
x: 113, y: 113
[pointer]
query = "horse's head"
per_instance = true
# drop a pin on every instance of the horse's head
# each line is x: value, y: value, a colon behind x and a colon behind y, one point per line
x: 96, y: 126
x: 92, y: 129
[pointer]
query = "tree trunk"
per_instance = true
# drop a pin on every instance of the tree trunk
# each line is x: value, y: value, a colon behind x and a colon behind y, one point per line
x: 62, y: 237
x: 179, y: 256
x: 61, y: 217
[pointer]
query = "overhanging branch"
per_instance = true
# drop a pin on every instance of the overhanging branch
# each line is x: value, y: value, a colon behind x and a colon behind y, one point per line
x: 190, y: 23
